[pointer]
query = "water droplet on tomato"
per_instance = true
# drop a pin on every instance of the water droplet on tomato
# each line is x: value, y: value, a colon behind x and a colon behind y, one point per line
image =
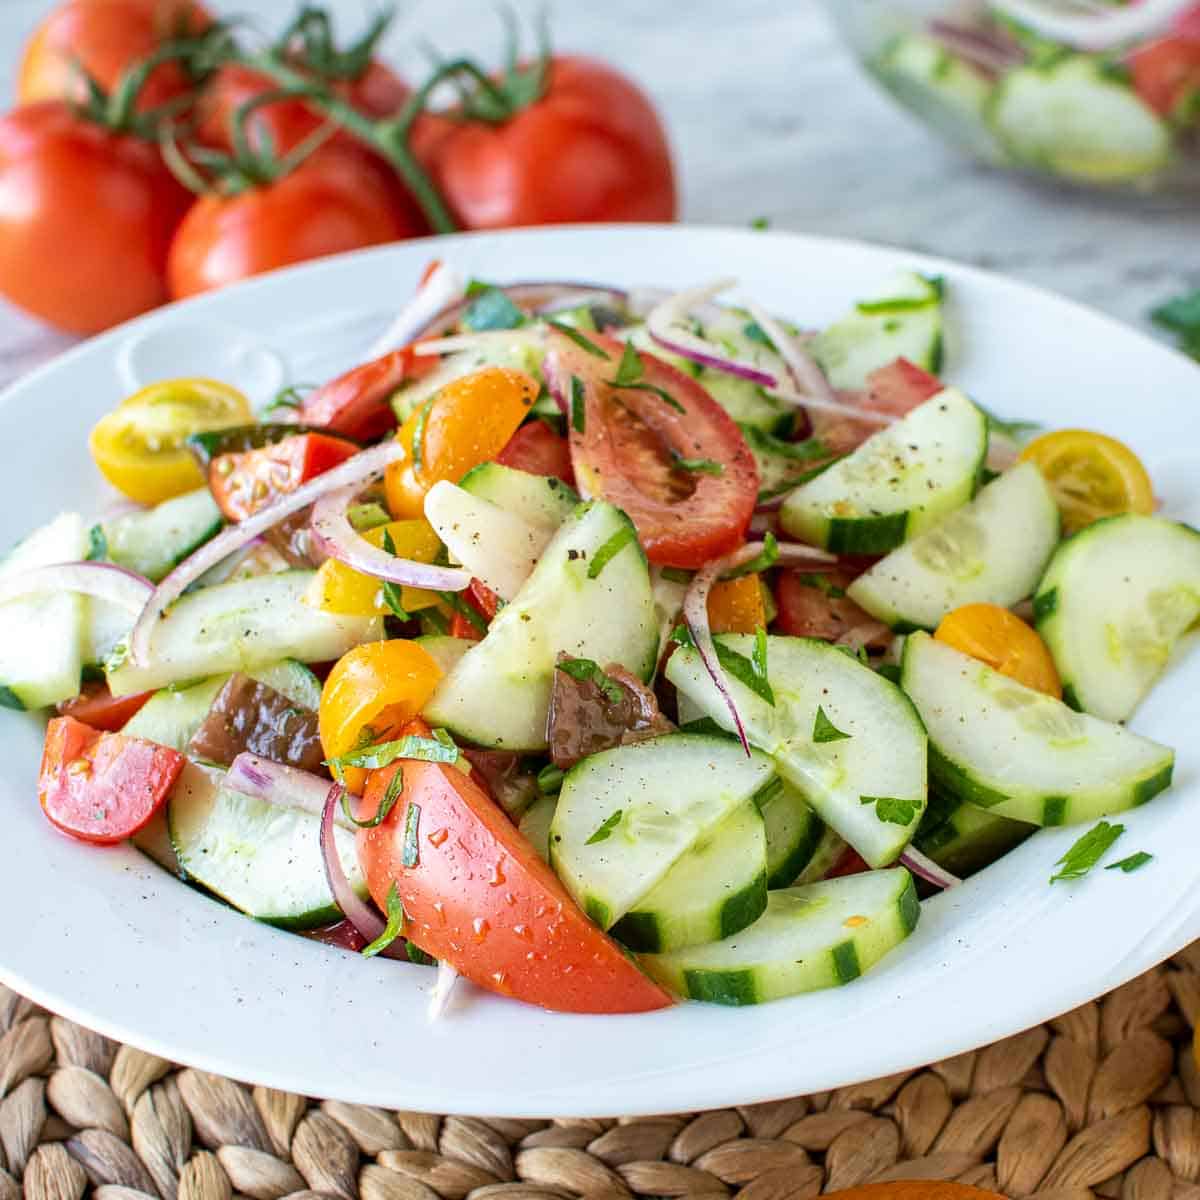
x: 438, y: 836
x: 498, y: 877
x: 481, y: 927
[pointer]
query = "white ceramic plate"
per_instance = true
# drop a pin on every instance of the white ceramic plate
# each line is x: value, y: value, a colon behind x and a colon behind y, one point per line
x: 111, y: 941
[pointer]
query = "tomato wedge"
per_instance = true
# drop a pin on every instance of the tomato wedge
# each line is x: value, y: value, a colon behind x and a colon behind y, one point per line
x: 536, y: 448
x: 102, y: 787
x: 687, y: 480
x: 815, y: 605
x: 895, y: 389
x: 98, y: 707
x: 479, y: 898
x: 358, y: 403
x: 246, y: 481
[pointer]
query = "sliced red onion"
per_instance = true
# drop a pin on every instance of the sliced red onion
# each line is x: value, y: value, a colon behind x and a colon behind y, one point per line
x: 337, y: 538
x: 455, y: 343
x: 667, y: 325
x: 356, y: 910
x: 277, y: 783
x: 873, y: 416
x: 443, y: 986
x: 356, y: 470
x: 994, y: 51
x: 106, y: 581
x: 1105, y: 29
x: 804, y: 369
x: 924, y: 866
x: 444, y: 287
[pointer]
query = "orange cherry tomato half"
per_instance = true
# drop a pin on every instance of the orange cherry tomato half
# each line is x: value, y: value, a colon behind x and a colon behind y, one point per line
x: 371, y: 692
x: 467, y: 423
x: 737, y: 606
x: 1002, y: 640
x: 479, y: 898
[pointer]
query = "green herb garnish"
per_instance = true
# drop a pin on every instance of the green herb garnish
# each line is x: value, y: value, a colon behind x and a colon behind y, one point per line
x: 698, y: 466
x: 578, y: 405
x: 464, y: 610
x: 291, y: 396
x: 588, y: 671
x: 584, y: 343
x: 549, y: 780
x: 1132, y: 863
x: 390, y: 796
x: 605, y: 831
x: 10, y: 699
x: 630, y: 375
x: 1087, y: 851
x: 395, y: 924
x: 752, y: 331
x: 759, y: 224
x: 745, y: 671
x: 767, y: 443
x: 766, y: 558
x: 418, y: 956
x: 891, y: 809
x: 676, y: 575
x: 822, y: 584
x: 624, y: 536
x: 1182, y: 317
x: 411, y: 852
x: 824, y: 730
x: 492, y: 309
x: 374, y: 758
x: 1015, y: 428
x: 392, y: 596
x: 418, y: 442
x: 758, y: 660
x: 97, y: 544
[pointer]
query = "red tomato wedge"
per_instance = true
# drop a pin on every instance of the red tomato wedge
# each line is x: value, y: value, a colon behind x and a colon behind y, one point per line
x: 895, y: 389
x: 242, y: 483
x: 850, y: 863
x: 98, y: 707
x: 627, y: 445
x: 357, y: 403
x: 536, y: 448
x: 102, y: 787
x: 1166, y: 73
x: 483, y: 599
x: 815, y: 605
x: 479, y: 898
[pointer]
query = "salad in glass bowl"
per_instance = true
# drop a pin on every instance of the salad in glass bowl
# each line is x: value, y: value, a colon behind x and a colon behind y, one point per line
x: 1103, y: 94
x: 606, y: 648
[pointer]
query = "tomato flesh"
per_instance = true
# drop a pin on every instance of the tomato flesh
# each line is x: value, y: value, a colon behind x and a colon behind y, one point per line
x: 247, y: 482
x: 1166, y: 73
x: 479, y: 898
x: 626, y: 443
x: 536, y: 448
x: 895, y: 389
x: 357, y: 403
x: 102, y: 787
x: 98, y: 707
x: 815, y: 604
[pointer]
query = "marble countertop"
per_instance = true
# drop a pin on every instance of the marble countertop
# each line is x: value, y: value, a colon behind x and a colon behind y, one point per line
x: 770, y: 116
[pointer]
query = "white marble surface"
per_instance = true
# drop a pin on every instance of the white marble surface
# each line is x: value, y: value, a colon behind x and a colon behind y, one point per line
x: 769, y: 116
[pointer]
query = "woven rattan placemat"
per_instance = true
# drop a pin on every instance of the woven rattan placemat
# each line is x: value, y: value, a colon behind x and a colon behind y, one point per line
x: 1100, y: 1102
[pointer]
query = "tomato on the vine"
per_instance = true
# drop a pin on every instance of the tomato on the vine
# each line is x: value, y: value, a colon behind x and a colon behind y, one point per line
x: 587, y: 146
x: 86, y: 218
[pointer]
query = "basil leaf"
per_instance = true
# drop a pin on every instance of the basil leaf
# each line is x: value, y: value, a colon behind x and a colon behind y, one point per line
x: 822, y: 584
x: 824, y: 730
x: 395, y: 924
x: 745, y: 672
x: 392, y: 596
x: 97, y: 544
x: 374, y: 758
x: 630, y: 370
x: 1014, y: 428
x: 891, y: 809
x: 1132, y: 863
x: 611, y: 548
x: 549, y: 780
x: 411, y: 853
x: 464, y: 610
x: 605, y: 831
x: 578, y: 405
x: 699, y: 466
x: 578, y: 338
x: 390, y: 796
x: 765, y: 559
x: 492, y: 309
x: 587, y: 671
x: 767, y: 443
x: 1087, y: 851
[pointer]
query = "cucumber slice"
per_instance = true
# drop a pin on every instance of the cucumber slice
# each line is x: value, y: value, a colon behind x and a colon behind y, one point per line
x: 444, y: 650
x: 902, y: 320
x: 992, y: 551
x: 714, y: 891
x: 944, y: 90
x: 1113, y: 603
x: 882, y: 758
x: 538, y: 499
x: 522, y: 353
x: 812, y: 937
x: 154, y: 838
x: 41, y: 637
x: 535, y: 825
x: 964, y: 839
x: 1020, y: 753
x: 258, y: 857
x: 898, y: 483
x: 156, y: 540
x: 1073, y: 118
x: 625, y: 816
x: 825, y: 857
x: 498, y: 547
x: 172, y: 715
x: 238, y: 626
x: 104, y: 627
x: 793, y: 832
x: 499, y: 693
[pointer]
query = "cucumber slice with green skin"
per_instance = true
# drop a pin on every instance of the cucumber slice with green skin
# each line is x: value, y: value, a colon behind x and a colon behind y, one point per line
x: 964, y: 839
x: 172, y: 715
x: 812, y: 937
x: 498, y: 547
x: 793, y: 832
x: 991, y: 551
x: 262, y: 859
x: 1114, y: 601
x: 104, y: 626
x: 238, y: 626
x: 41, y: 637
x: 825, y: 857
x: 902, y: 320
x: 160, y: 538
x: 498, y: 696
x: 1020, y: 753
x: 626, y: 816
x: 535, y: 825
x: 444, y: 650
x: 538, y: 499
x: 882, y: 758
x: 946, y: 91
x: 715, y: 890
x: 1073, y: 118
x: 154, y: 838
x: 898, y: 483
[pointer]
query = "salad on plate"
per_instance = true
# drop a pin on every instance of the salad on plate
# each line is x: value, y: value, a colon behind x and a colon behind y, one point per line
x: 606, y: 648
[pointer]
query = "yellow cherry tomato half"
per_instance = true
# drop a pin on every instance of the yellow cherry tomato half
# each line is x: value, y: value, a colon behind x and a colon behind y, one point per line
x: 1091, y: 475
x: 337, y: 588
x: 467, y: 423
x: 1002, y: 640
x: 736, y: 606
x: 371, y: 692
x: 139, y: 446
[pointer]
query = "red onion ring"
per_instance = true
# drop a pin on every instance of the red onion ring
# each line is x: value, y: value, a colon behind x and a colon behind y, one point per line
x: 924, y: 866
x: 804, y: 369
x: 873, y: 416
x: 665, y: 324
x: 106, y: 581
x: 456, y: 342
x: 337, y: 538
x: 277, y: 783
x: 356, y: 910
x: 444, y: 287
x: 1104, y: 29
x: 356, y: 470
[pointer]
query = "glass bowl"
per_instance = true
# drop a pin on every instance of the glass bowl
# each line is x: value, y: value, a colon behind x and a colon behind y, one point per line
x: 1099, y: 95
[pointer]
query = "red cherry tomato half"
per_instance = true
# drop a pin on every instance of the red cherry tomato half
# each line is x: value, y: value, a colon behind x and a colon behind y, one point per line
x: 815, y: 605
x: 98, y: 707
x: 536, y: 448
x: 479, y: 898
x: 1166, y: 73
x: 357, y: 403
x: 243, y: 483
x: 103, y: 787
x: 627, y: 445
